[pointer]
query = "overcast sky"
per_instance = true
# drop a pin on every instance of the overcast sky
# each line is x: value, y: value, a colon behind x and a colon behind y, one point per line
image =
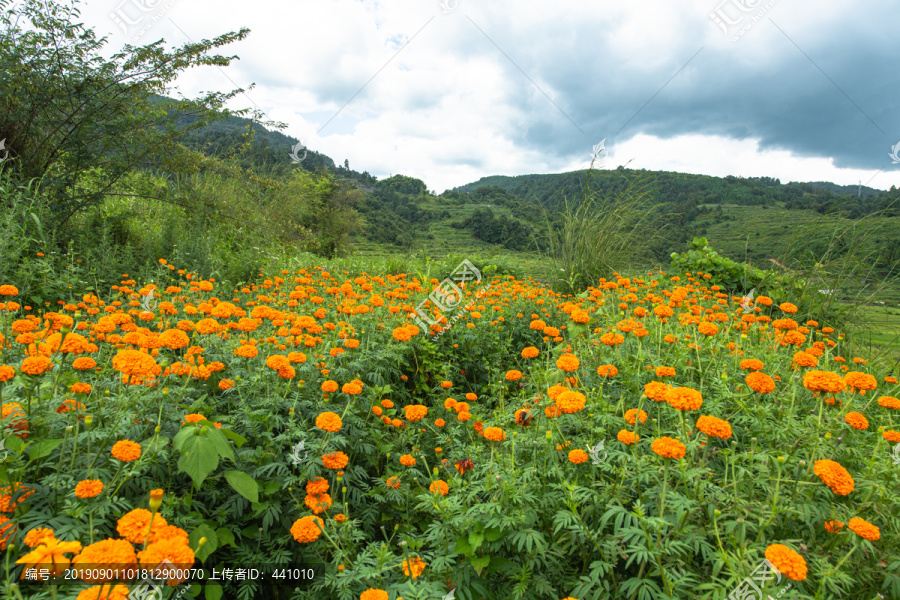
x: 450, y: 91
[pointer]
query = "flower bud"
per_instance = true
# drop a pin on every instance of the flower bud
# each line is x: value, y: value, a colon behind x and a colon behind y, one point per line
x: 88, y: 420
x: 781, y: 460
x: 156, y: 500
x: 549, y: 435
x: 202, y: 541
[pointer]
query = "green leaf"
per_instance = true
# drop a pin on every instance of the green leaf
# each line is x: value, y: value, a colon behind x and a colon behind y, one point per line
x: 15, y: 444
x: 493, y: 534
x: 463, y: 546
x: 182, y: 435
x: 226, y: 538
x: 199, y: 458
x: 239, y: 440
x: 221, y: 442
x: 42, y: 449
x: 480, y: 562
x: 212, y: 541
x: 243, y: 484
x: 212, y: 591
x: 475, y: 539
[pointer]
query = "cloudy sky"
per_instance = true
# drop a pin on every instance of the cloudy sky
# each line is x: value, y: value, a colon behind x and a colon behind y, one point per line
x: 453, y: 90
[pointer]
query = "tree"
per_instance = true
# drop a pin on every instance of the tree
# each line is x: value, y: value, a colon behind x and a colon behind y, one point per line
x: 80, y: 123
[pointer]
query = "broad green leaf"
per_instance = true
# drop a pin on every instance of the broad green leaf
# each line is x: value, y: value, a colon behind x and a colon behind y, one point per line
x: 239, y: 440
x: 480, y: 562
x: 463, y: 546
x: 15, y: 444
x: 221, y: 443
x: 212, y: 541
x: 212, y: 591
x: 493, y: 534
x: 182, y: 435
x: 42, y: 449
x: 225, y: 537
x: 475, y: 539
x: 199, y: 458
x: 243, y: 484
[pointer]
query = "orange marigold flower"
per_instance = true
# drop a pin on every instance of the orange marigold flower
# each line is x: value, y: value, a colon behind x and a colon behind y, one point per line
x: 84, y: 363
x: 824, y: 381
x: 13, y: 416
x: 611, y: 339
x: 656, y: 390
x: 513, y: 375
x: 407, y: 460
x: 567, y: 362
x: 891, y: 435
x: 577, y: 456
x: 415, y: 412
x: 35, y: 365
x: 115, y: 554
x: 627, y: 437
x: 607, y: 371
x: 804, y: 359
x: 684, y: 398
x: 446, y: 384
x: 416, y: 565
x: 134, y: 526
x: 708, y: 329
x: 374, y: 594
x: 571, y: 402
x: 864, y: 529
x: 760, y: 382
x: 833, y: 526
x: 788, y: 307
x: 530, y: 352
x: 352, y: 388
x: 329, y: 421
x: 494, y: 434
x: 318, y: 503
x: 714, y: 427
x: 440, y: 487
x: 134, y: 362
x: 402, y: 334
x: 889, y: 402
x: 856, y: 380
x: 88, y: 488
x: 392, y: 482
x: 9, y: 290
x: 752, y: 364
x: 834, y: 476
x: 81, y: 388
x: 174, y: 551
x: 668, y: 447
x: 439, y: 422
x: 856, y: 421
x: 633, y: 414
x: 791, y: 564
x: 40, y: 535
x: 330, y: 386
x: 665, y: 372
x: 335, y: 460
x: 126, y: 450
x: 316, y: 486
x: 307, y: 529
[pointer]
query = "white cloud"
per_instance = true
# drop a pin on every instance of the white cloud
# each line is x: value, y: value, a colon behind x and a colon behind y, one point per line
x: 451, y: 108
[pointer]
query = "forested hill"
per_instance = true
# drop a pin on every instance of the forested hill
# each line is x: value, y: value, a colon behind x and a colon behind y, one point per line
x: 690, y: 191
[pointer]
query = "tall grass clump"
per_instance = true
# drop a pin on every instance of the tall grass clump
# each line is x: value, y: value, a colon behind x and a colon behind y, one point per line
x: 599, y: 233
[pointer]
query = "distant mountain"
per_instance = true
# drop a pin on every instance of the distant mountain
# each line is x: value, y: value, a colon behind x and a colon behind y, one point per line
x: 844, y: 190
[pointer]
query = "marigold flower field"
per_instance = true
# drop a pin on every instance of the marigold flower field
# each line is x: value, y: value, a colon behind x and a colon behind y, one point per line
x: 649, y: 438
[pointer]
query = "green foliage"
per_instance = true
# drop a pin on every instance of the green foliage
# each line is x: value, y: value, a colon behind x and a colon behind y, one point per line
x: 726, y: 273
